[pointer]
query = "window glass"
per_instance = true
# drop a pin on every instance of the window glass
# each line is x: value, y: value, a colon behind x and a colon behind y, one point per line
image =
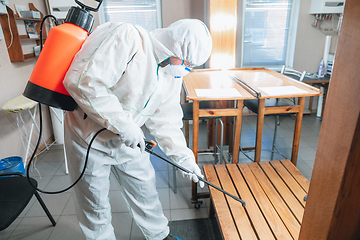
x: 139, y: 12
x: 266, y: 31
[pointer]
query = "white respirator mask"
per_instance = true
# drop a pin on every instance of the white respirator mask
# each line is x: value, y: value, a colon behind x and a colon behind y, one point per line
x: 178, y: 71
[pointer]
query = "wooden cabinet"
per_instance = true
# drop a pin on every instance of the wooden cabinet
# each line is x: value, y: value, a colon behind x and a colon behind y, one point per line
x: 14, y: 39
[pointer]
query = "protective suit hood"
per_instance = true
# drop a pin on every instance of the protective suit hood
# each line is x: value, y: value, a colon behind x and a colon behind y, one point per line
x: 187, y: 39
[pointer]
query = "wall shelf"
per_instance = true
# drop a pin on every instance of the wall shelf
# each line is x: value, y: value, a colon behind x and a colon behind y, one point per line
x: 12, y: 37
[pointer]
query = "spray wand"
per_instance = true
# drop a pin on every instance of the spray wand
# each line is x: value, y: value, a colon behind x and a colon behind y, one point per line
x: 148, y: 148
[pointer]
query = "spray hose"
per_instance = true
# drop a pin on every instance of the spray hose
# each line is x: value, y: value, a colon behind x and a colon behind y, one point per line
x: 148, y: 148
x: 34, y: 153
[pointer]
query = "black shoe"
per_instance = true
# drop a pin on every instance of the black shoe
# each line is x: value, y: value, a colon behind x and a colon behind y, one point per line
x: 171, y: 237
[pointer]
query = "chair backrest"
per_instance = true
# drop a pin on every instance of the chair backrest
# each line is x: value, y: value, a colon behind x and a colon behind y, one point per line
x: 289, y: 71
x: 15, y: 194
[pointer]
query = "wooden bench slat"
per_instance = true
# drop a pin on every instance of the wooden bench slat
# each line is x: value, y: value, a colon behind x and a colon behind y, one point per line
x: 291, y: 201
x: 291, y: 223
x: 225, y: 218
x: 273, y: 192
x: 290, y: 181
x: 304, y: 183
x: 273, y: 219
x: 242, y: 222
x: 260, y: 225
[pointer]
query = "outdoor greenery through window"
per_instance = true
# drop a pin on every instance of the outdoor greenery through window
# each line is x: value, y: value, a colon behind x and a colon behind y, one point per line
x: 266, y: 32
x: 139, y: 12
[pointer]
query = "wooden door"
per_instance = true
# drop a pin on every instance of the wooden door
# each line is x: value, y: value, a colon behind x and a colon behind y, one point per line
x: 332, y: 210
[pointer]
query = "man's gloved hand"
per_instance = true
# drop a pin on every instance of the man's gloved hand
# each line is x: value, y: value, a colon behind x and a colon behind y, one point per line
x: 191, y: 165
x: 133, y: 136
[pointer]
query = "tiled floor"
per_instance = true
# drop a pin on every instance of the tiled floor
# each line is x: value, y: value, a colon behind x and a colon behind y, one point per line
x: 34, y: 225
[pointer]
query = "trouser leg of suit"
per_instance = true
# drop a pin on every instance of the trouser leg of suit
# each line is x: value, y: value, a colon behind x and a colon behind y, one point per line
x: 137, y: 179
x: 91, y: 192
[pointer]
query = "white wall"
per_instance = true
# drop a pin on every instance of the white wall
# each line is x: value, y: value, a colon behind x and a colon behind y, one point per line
x: 173, y: 10
x: 310, y: 42
x: 13, y: 79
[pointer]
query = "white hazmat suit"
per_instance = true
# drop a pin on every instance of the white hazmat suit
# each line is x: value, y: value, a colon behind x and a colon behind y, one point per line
x: 117, y: 83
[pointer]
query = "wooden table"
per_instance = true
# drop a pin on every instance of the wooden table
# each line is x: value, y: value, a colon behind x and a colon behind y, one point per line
x: 213, y: 80
x: 274, y: 195
x: 270, y: 84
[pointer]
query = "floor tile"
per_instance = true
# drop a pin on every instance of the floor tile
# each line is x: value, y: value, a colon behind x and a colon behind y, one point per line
x: 43, y: 181
x: 311, y: 141
x: 303, y: 143
x: 117, y: 202
x: 44, y: 168
x: 54, y: 203
x: 136, y: 233
x: 69, y: 207
x: 181, y: 200
x: 5, y: 234
x: 164, y: 196
x: 58, y: 183
x: 67, y: 227
x: 122, y: 225
x: 183, y: 214
x: 33, y: 228
x: 305, y: 170
x: 61, y: 170
x: 307, y: 153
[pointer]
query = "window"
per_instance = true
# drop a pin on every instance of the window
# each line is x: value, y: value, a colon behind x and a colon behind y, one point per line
x: 267, y: 25
x: 145, y: 13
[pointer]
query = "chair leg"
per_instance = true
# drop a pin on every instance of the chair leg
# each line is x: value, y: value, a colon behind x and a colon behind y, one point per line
x: 215, y: 142
x: 221, y: 139
x: 277, y: 121
x: 174, y: 180
x: 187, y: 133
x: 45, y: 208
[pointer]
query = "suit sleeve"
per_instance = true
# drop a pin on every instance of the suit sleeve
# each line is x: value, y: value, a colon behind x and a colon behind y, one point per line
x: 165, y: 125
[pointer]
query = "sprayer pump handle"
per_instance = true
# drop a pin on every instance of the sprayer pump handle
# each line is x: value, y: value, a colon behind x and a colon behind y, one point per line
x: 87, y: 8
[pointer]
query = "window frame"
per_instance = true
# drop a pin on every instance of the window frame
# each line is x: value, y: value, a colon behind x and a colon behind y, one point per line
x: 290, y: 50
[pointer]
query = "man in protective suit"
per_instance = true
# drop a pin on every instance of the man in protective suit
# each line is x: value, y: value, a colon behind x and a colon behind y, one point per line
x: 125, y: 77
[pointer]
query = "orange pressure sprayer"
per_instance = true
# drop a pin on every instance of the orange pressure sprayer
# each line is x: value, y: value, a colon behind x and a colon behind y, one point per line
x: 63, y: 42
x: 46, y: 81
